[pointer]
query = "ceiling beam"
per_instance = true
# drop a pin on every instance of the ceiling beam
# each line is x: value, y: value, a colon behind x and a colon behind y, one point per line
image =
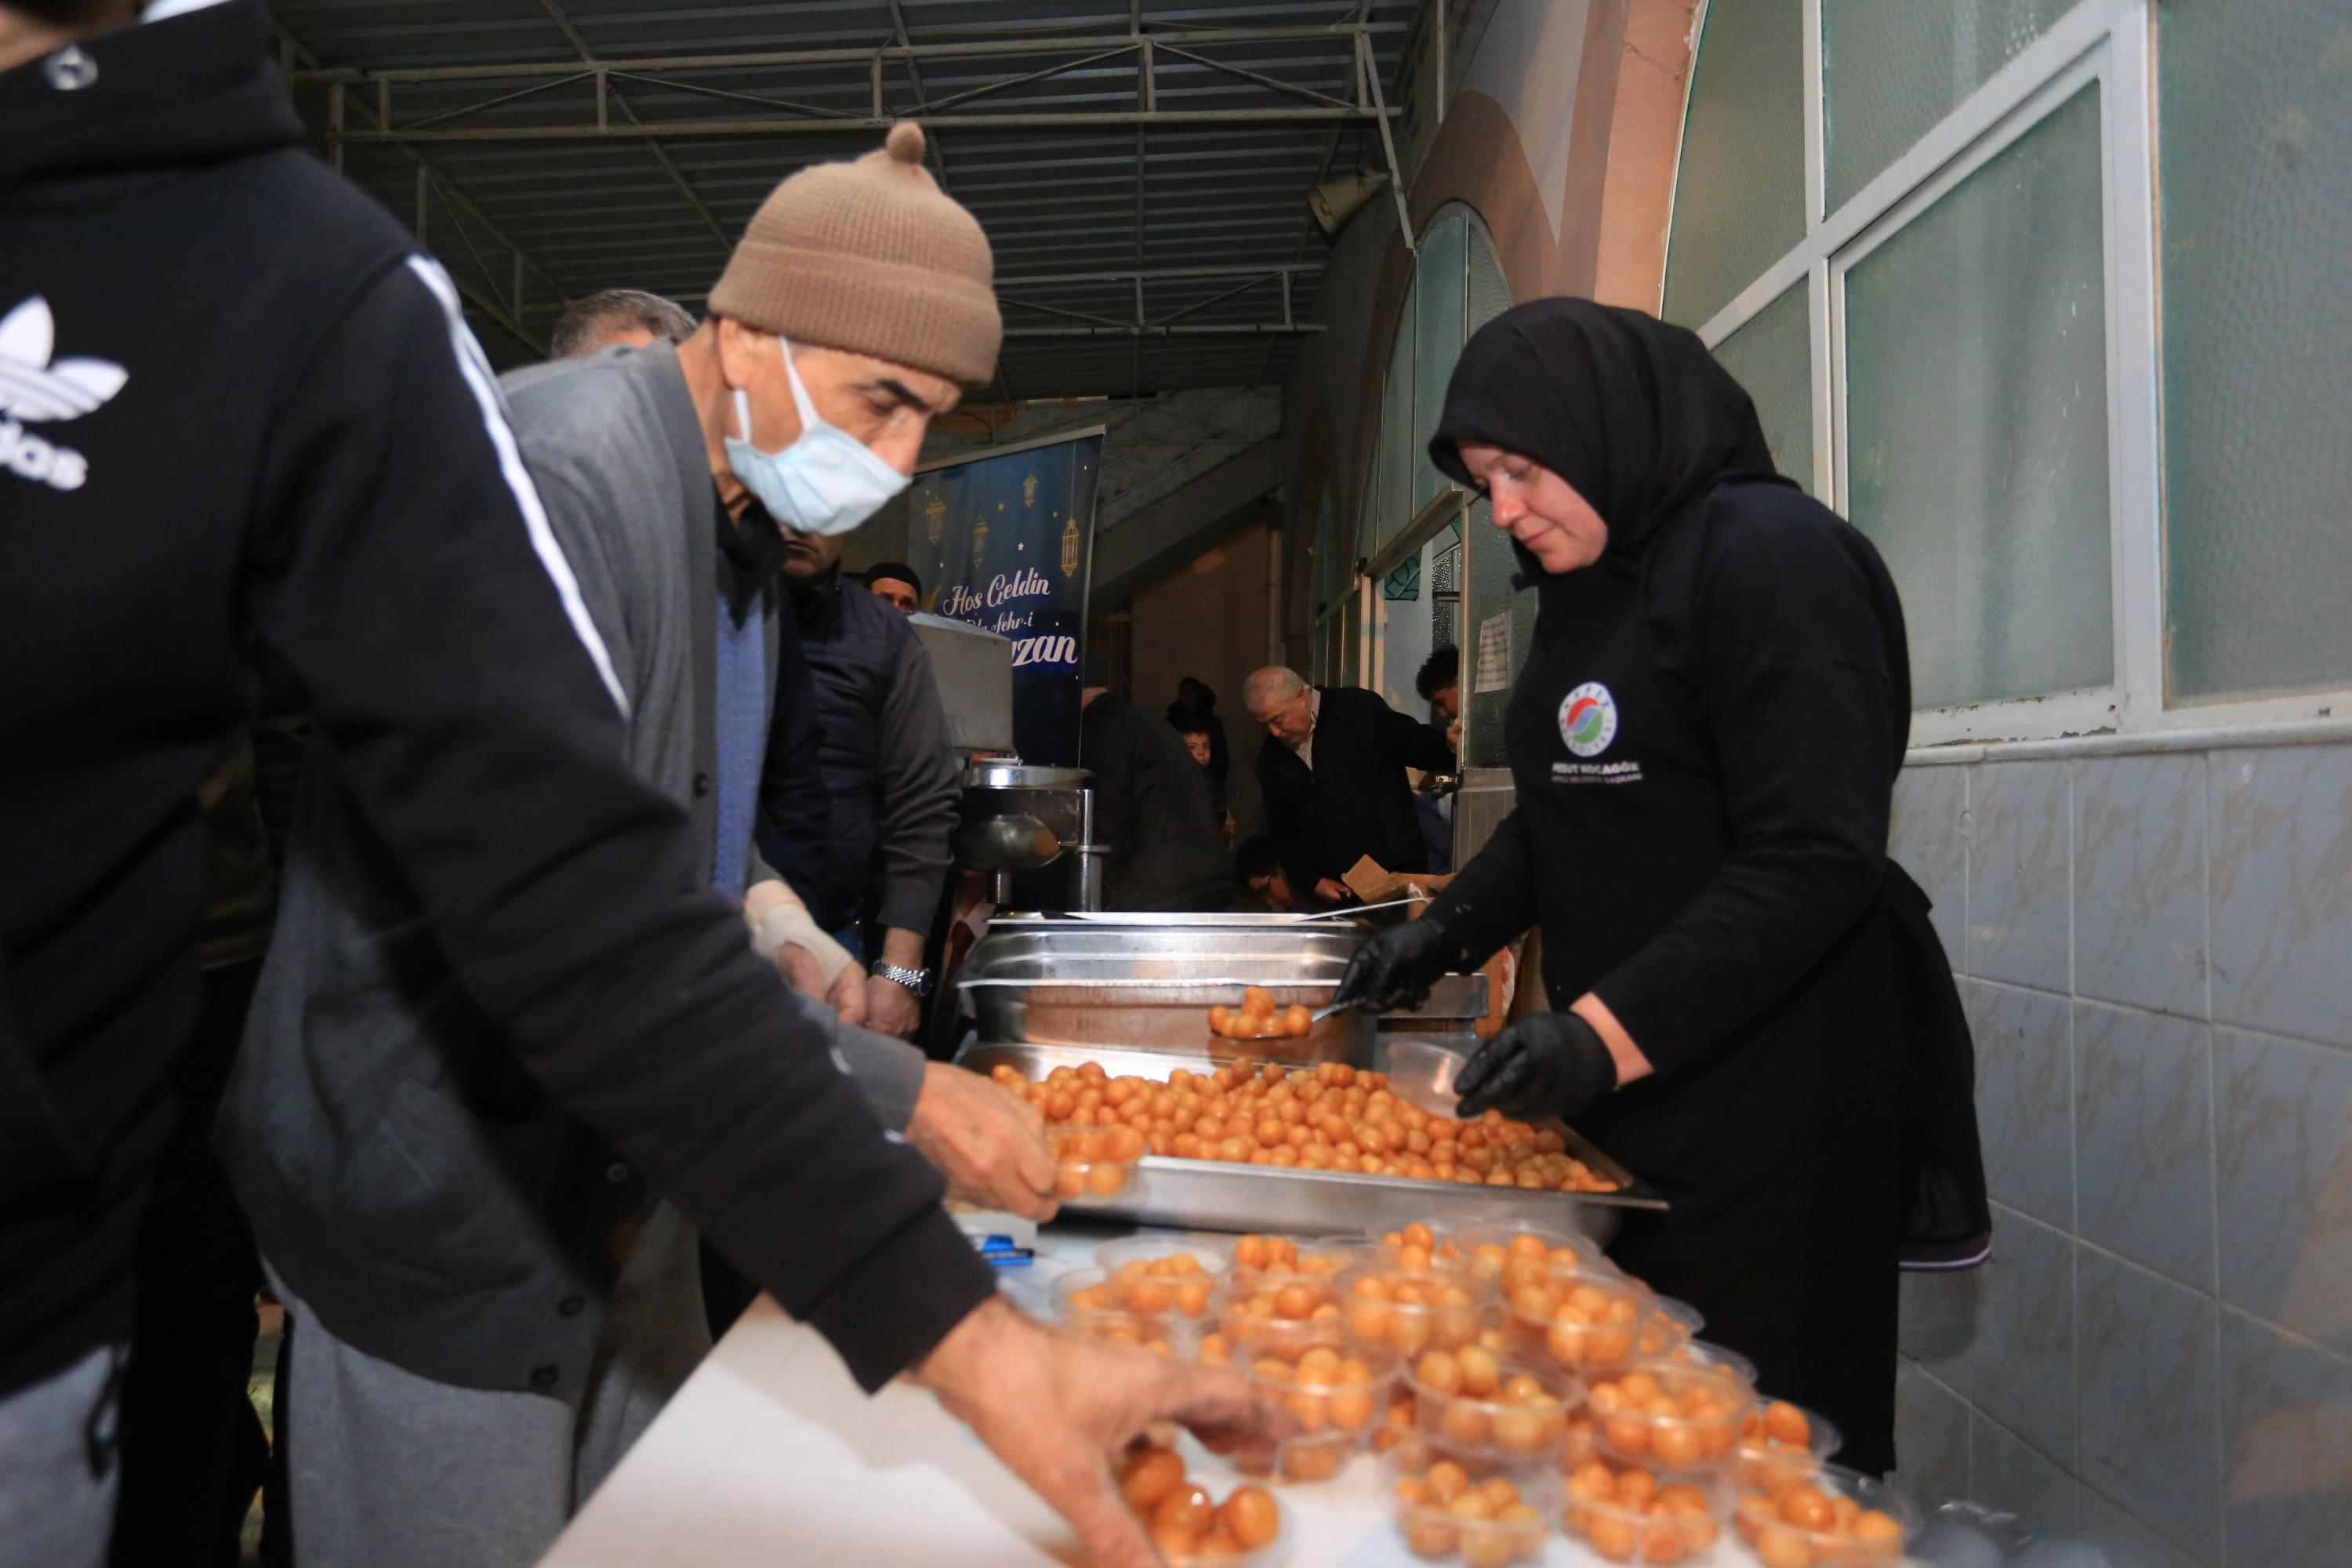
x: 995, y: 48
x: 604, y: 88
x: 1108, y: 275
x: 1075, y: 119
x: 505, y: 315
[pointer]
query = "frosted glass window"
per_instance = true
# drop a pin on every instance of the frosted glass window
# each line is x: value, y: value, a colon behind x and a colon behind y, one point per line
x: 1332, y: 557
x: 1892, y: 68
x: 1977, y: 399
x: 1437, y: 330
x: 1489, y: 295
x: 2256, y: 156
x: 1739, y: 200
x: 1398, y: 464
x: 1772, y: 356
x: 1492, y: 564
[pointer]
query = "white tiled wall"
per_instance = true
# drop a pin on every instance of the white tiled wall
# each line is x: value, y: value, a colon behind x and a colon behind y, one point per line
x: 2156, y: 951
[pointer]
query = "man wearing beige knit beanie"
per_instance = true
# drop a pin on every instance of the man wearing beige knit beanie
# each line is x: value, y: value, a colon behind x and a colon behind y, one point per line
x: 461, y: 1386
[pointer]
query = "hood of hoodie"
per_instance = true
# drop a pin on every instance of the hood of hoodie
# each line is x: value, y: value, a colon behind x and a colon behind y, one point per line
x: 195, y: 89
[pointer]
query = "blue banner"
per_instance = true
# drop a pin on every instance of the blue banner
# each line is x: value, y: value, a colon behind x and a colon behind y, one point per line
x: 1007, y: 539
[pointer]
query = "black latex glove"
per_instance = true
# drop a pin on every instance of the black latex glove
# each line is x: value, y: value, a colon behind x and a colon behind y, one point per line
x: 1395, y: 967
x: 1547, y: 1063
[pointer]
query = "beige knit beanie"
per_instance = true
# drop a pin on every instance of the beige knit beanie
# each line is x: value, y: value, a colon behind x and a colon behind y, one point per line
x: 870, y: 256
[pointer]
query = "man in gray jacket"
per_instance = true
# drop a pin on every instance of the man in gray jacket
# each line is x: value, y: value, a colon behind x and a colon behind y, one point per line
x: 491, y: 1306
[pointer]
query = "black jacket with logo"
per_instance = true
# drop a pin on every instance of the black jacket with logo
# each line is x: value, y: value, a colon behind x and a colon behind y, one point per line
x: 1354, y: 801
x: 236, y: 409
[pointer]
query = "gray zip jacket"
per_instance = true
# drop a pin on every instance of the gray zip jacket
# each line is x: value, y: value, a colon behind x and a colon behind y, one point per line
x: 410, y: 1182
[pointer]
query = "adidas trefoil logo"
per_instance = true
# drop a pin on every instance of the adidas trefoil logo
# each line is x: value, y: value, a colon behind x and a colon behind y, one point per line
x: 36, y: 389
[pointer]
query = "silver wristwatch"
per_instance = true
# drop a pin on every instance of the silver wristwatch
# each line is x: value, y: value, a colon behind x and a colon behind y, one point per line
x: 918, y: 981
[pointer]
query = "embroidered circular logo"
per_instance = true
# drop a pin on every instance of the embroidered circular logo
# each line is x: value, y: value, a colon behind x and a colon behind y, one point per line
x: 1587, y: 719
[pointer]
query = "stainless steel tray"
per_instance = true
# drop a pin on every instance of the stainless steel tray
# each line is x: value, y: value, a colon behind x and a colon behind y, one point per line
x: 1238, y: 920
x: 1209, y: 1195
x: 1081, y: 984
x: 1085, y: 982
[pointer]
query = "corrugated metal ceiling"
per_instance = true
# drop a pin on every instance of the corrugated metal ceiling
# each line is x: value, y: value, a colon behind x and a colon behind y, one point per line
x: 589, y: 209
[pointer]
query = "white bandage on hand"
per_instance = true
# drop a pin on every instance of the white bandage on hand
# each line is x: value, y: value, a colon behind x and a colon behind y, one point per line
x: 786, y: 923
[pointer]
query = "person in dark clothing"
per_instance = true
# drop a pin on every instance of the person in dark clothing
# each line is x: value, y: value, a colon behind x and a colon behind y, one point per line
x: 1195, y: 708
x: 1332, y: 765
x: 890, y: 767
x: 895, y: 584
x: 1151, y: 806
x: 194, y: 1451
x: 1258, y: 866
x: 1439, y: 683
x: 1703, y: 744
x: 1200, y: 741
x: 244, y: 412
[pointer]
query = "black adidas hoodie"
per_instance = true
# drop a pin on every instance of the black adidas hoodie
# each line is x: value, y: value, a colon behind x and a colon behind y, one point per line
x: 235, y: 408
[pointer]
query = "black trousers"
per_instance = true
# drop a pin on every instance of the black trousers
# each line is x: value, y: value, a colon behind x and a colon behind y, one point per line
x: 193, y: 1452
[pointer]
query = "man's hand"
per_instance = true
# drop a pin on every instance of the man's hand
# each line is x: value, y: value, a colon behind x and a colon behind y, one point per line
x: 1332, y: 890
x: 989, y: 1142
x: 1057, y: 1410
x: 1454, y: 736
x: 849, y: 995
x: 890, y: 1007
x: 845, y: 995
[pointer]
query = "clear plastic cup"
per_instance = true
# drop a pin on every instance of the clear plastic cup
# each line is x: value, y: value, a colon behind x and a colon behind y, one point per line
x: 1215, y: 1254
x: 1180, y: 1284
x: 1260, y: 1256
x: 1336, y: 1389
x: 1157, y: 1335
x: 1271, y: 1300
x: 1704, y: 1353
x: 1583, y: 1318
x: 1479, y: 1408
x: 1625, y: 1512
x: 1425, y: 1488
x: 1781, y: 1443
x: 1510, y: 1253
x: 1836, y: 1516
x: 1417, y: 1245
x: 1668, y: 1413
x: 1084, y: 1163
x: 1413, y: 1310
x: 1667, y: 1327
x: 1083, y: 1295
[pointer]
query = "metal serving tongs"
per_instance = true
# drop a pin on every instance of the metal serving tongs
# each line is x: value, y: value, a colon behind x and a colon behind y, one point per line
x: 1353, y: 910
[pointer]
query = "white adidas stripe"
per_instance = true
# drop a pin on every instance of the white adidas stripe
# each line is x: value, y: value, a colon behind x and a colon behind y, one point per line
x: 476, y: 368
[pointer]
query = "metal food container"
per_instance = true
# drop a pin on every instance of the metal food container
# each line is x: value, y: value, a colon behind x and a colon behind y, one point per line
x: 1148, y: 983
x: 1150, y: 987
x: 1209, y: 1195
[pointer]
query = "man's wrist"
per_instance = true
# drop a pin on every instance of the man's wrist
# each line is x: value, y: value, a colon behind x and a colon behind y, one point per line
x: 917, y: 982
x: 948, y: 1368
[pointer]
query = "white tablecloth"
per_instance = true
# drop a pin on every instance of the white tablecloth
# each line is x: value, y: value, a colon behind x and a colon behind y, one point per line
x: 772, y: 1455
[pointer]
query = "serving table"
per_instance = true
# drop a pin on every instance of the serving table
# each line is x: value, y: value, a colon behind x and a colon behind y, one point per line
x: 770, y: 1456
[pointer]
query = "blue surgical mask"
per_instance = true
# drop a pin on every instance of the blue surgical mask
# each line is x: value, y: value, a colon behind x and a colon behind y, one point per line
x: 828, y: 482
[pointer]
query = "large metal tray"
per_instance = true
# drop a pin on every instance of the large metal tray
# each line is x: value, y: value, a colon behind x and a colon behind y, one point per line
x: 1089, y: 983
x: 1209, y: 1195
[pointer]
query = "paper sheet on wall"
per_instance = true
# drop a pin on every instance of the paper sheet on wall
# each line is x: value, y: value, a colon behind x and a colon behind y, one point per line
x: 1494, y: 673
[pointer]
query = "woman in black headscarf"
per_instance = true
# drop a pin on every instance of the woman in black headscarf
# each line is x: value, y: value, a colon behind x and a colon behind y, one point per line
x: 1704, y: 741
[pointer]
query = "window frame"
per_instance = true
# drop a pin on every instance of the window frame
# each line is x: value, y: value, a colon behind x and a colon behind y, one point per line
x: 2112, y: 43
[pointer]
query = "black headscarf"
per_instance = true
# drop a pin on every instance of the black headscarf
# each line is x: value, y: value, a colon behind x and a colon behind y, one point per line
x: 1635, y: 414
